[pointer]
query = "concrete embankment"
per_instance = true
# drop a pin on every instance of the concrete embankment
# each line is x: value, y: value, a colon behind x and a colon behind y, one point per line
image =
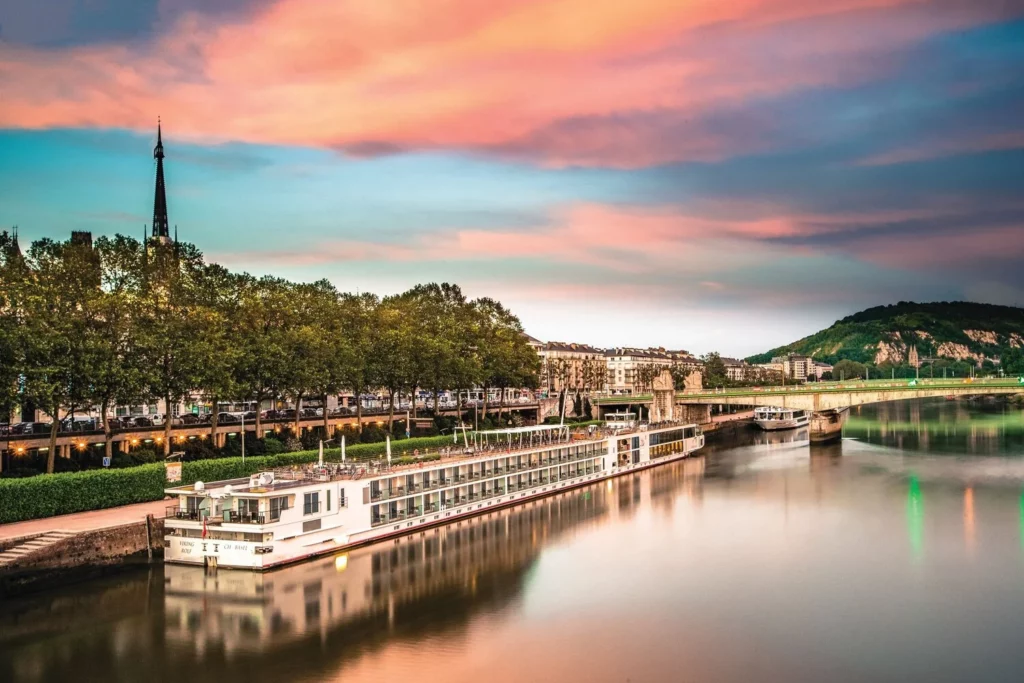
x: 56, y: 558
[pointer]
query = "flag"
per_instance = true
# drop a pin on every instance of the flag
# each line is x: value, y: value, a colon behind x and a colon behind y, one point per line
x: 204, y: 527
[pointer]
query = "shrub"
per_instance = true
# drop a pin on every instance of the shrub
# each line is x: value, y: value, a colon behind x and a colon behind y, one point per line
x: 59, y: 494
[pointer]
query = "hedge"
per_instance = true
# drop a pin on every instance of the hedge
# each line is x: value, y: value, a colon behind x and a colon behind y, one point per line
x: 60, y: 494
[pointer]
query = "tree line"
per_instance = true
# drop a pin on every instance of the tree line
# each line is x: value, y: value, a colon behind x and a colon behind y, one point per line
x: 120, y: 322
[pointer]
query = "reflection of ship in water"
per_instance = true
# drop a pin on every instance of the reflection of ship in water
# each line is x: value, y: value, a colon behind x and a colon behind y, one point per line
x: 306, y: 621
x: 372, y: 589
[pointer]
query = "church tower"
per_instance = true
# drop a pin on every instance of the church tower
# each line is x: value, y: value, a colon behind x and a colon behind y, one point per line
x: 161, y: 231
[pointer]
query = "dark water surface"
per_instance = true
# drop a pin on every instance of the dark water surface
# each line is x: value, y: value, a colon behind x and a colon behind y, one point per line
x: 895, y: 556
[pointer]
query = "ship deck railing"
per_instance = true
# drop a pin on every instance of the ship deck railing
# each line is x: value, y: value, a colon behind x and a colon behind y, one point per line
x: 446, y: 457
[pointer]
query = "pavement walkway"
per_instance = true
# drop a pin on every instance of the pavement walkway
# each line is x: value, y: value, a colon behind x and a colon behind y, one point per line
x: 85, y: 521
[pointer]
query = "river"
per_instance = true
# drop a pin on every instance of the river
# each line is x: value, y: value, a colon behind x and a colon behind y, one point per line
x: 896, y: 555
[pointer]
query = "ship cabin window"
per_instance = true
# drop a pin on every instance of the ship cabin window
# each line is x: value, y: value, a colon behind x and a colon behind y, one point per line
x: 328, y: 500
x: 192, y: 503
x: 311, y: 503
x: 276, y: 506
x: 248, y: 506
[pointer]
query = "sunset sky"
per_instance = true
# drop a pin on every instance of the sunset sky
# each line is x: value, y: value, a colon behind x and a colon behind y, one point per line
x: 709, y: 174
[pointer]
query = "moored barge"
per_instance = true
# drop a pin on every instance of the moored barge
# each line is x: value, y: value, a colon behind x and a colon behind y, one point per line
x: 284, y: 516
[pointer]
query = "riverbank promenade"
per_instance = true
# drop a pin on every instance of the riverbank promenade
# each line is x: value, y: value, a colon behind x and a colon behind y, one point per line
x: 84, y: 521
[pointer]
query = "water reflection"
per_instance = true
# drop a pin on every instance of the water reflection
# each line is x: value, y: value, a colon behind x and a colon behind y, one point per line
x: 978, y: 426
x: 763, y: 560
x: 313, y: 616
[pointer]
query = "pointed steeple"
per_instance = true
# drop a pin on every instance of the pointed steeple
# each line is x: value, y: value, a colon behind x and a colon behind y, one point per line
x: 160, y: 223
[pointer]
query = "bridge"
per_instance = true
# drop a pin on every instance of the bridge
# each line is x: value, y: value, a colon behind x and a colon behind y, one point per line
x: 829, y: 395
x: 826, y: 400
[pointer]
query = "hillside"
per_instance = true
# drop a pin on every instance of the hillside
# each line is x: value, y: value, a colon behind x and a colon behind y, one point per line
x: 957, y: 330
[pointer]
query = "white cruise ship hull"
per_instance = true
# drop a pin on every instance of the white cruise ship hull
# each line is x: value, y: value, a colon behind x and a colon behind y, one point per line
x: 351, y: 526
x: 775, y: 424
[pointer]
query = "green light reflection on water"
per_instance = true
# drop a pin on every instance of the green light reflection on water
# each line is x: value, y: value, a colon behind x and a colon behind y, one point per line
x: 915, y: 516
x: 1022, y: 520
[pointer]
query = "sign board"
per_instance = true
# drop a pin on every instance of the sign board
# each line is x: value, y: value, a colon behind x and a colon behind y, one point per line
x: 173, y: 471
x: 106, y: 461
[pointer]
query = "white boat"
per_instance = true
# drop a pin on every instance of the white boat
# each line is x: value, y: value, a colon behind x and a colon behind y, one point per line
x: 770, y: 419
x: 350, y: 597
x: 283, y: 516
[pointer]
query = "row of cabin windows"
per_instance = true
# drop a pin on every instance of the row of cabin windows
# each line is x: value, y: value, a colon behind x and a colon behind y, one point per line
x: 415, y: 506
x: 246, y: 506
x: 447, y: 476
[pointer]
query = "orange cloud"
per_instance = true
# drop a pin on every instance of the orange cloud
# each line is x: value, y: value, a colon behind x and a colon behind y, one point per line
x: 499, y: 75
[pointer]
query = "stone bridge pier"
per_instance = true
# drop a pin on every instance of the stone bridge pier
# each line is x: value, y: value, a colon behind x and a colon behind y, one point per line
x: 826, y: 426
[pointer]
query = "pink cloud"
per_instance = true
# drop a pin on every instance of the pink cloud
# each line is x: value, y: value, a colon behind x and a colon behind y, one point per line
x: 499, y: 75
x: 969, y: 143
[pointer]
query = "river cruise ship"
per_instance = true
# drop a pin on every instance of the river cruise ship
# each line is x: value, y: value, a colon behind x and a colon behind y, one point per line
x: 283, y: 516
x: 771, y: 419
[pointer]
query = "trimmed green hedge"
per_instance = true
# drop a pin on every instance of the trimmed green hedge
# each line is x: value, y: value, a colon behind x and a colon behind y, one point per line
x: 58, y: 494
x: 47, y: 495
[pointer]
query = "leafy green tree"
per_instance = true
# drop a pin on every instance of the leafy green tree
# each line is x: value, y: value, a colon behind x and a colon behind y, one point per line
x: 264, y: 315
x: 1012, y: 361
x: 119, y: 373
x: 14, y: 278
x: 848, y: 369
x: 60, y: 309
x: 179, y: 336
x: 358, y: 317
x: 218, y: 298
x: 506, y: 359
x: 715, y: 374
x: 392, y: 341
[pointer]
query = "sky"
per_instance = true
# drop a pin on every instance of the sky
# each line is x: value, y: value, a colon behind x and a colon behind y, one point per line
x: 699, y: 174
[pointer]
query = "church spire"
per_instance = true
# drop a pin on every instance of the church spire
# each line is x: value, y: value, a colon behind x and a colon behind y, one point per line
x: 160, y: 223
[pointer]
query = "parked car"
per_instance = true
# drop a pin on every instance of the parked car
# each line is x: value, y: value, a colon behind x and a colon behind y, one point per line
x: 158, y: 420
x: 189, y: 419
x: 141, y: 421
x: 250, y: 416
x: 342, y: 411
x: 312, y: 412
x: 228, y: 418
x: 78, y: 423
x: 39, y: 428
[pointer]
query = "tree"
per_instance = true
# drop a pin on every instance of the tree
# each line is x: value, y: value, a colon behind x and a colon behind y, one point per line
x: 217, y: 295
x: 848, y: 369
x: 263, y: 317
x: 179, y: 336
x: 358, y: 315
x: 60, y: 308
x: 392, y: 341
x: 715, y: 374
x: 506, y: 359
x: 14, y: 274
x: 119, y: 374
x: 1012, y: 361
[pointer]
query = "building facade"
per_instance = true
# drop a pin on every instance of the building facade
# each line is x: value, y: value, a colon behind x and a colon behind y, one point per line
x: 571, y: 366
x: 795, y: 366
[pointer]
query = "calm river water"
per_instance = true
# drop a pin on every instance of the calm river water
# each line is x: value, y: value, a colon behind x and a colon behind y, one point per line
x: 895, y: 556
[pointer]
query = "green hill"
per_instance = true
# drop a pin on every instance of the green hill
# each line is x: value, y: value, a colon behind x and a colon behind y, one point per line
x: 887, y: 335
